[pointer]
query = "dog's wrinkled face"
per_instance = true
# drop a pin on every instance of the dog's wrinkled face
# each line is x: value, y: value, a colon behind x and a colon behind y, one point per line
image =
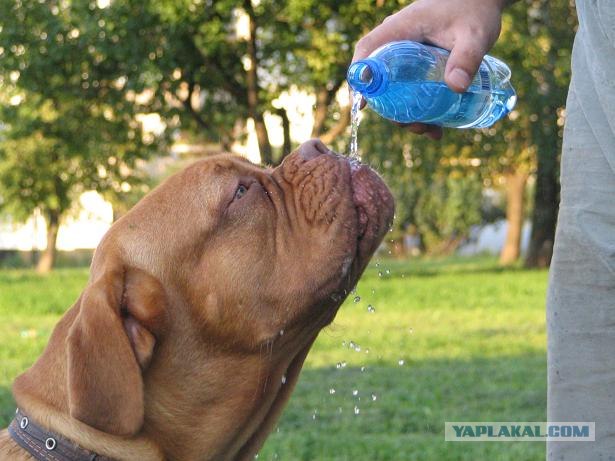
x: 204, y: 300
x: 258, y: 252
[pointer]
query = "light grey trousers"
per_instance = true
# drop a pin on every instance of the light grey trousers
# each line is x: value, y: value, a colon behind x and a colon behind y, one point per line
x: 581, y: 297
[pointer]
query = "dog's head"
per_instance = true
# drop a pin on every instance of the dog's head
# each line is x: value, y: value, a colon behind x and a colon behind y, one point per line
x: 227, y: 259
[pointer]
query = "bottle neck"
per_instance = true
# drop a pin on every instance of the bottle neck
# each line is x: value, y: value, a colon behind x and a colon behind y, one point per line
x: 368, y: 76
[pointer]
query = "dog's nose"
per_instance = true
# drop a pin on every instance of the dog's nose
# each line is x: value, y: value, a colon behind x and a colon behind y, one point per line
x: 312, y: 149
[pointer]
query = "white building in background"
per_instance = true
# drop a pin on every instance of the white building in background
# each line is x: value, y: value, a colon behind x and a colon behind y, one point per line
x: 490, y: 238
x: 82, y: 228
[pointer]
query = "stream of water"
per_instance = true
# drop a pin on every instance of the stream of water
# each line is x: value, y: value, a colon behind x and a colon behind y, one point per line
x: 355, y: 119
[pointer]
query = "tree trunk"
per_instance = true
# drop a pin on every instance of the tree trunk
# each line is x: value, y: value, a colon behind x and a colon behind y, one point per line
x: 264, y: 146
x: 47, y: 259
x: 324, y: 97
x: 544, y: 217
x: 515, y: 191
x: 545, y: 135
x: 320, y: 111
x: 286, y: 147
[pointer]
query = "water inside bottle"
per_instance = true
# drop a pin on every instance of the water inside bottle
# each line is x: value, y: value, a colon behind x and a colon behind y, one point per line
x: 436, y: 102
x: 355, y: 119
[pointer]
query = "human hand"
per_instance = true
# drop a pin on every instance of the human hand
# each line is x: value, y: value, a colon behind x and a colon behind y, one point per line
x: 468, y: 28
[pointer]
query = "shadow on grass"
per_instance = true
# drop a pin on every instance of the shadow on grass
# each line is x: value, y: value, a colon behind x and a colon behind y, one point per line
x: 398, y: 412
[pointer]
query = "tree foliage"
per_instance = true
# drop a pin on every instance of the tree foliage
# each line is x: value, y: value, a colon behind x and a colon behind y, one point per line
x: 75, y: 77
x: 68, y: 110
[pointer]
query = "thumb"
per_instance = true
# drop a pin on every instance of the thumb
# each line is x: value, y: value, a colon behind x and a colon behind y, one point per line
x: 463, y: 63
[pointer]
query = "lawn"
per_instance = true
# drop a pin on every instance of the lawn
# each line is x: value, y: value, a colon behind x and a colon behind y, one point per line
x: 443, y: 340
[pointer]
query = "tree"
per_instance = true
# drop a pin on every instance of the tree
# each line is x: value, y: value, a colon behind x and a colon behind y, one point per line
x: 68, y: 112
x: 540, y: 45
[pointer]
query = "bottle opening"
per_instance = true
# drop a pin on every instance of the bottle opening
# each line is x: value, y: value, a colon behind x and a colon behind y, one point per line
x: 367, y: 77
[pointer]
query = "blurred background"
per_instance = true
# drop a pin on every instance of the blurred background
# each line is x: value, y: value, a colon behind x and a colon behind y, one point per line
x: 101, y: 100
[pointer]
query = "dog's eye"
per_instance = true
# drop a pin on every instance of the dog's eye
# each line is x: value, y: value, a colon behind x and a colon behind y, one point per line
x: 241, y: 191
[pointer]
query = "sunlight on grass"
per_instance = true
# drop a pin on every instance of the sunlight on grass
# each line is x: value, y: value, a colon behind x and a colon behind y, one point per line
x: 448, y: 340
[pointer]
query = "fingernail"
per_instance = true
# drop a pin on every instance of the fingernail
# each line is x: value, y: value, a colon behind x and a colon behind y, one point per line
x: 460, y: 78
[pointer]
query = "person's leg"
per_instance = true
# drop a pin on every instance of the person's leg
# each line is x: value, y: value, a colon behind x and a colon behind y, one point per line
x: 581, y: 298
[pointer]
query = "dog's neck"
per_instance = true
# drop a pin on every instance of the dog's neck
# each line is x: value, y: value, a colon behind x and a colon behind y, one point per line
x: 224, y: 415
x: 202, y: 416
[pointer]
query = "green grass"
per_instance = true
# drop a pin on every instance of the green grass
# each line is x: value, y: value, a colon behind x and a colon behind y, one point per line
x: 450, y: 340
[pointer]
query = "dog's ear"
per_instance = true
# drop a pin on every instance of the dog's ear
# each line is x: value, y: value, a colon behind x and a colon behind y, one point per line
x: 110, y: 343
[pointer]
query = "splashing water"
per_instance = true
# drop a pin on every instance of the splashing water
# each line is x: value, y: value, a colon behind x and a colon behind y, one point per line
x: 355, y: 119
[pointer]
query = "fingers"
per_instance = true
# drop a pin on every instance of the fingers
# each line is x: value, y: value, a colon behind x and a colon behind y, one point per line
x: 464, y: 61
x: 400, y: 26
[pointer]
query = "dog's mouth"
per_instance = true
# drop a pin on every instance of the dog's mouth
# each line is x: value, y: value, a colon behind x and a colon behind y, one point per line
x: 374, y: 204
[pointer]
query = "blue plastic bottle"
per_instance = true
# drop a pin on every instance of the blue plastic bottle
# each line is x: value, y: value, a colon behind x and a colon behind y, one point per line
x: 404, y: 81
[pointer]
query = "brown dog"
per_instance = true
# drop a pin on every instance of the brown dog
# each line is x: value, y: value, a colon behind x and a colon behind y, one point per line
x: 202, y: 304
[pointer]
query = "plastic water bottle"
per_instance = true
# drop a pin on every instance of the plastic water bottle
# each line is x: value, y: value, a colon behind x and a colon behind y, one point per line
x: 404, y: 81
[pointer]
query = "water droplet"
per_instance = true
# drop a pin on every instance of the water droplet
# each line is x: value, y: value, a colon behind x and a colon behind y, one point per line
x: 401, y: 362
x: 379, y: 273
x: 314, y: 414
x: 331, y: 391
x: 281, y: 332
x: 378, y: 264
x: 283, y: 379
x: 373, y: 291
x: 340, y: 365
x: 362, y: 369
x: 410, y: 330
x: 388, y: 271
x: 374, y: 397
x: 371, y: 309
x: 356, y: 410
x: 357, y: 299
x: 343, y: 343
x: 355, y: 392
x: 367, y: 351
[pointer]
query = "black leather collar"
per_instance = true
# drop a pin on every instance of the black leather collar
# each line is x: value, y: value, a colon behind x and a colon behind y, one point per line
x: 45, y: 445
